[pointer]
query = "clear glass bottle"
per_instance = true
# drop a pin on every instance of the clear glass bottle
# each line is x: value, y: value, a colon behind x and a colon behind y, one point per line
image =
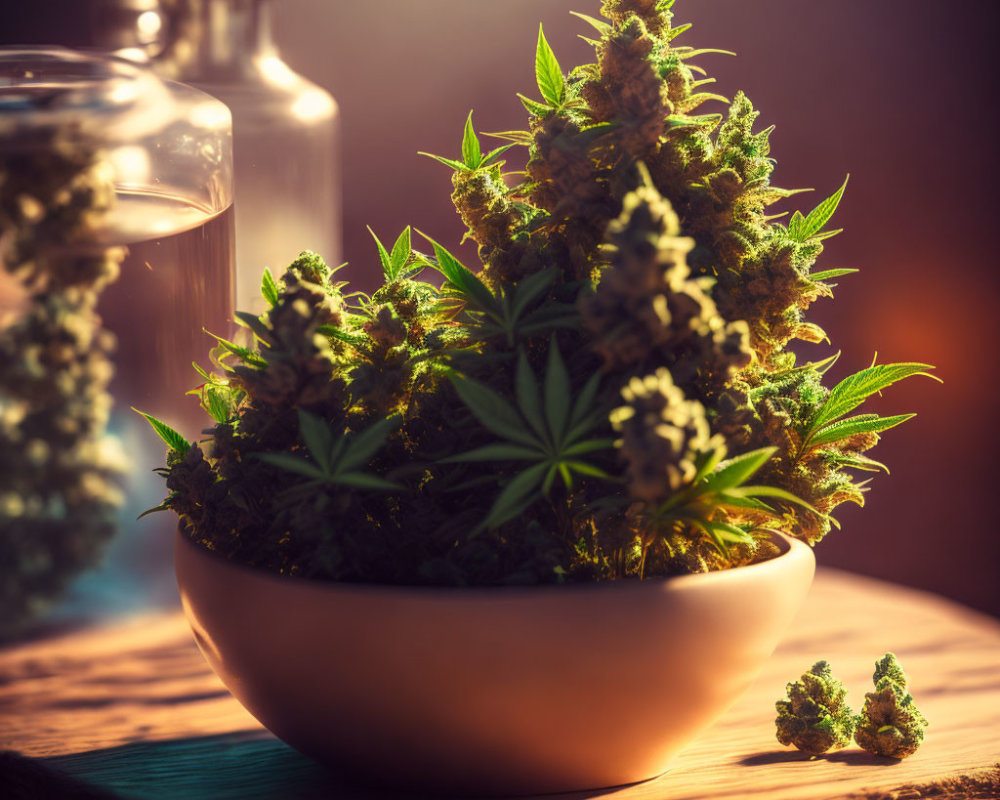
x: 169, y: 148
x: 285, y: 129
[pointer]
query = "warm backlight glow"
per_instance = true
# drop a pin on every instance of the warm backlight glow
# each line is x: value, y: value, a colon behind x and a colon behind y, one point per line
x: 131, y: 164
x: 312, y: 104
x: 277, y: 72
x: 148, y: 23
x: 123, y: 92
x: 210, y: 116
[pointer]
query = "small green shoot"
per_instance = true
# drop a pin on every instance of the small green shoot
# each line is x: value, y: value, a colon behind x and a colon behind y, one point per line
x: 802, y: 229
x: 172, y: 438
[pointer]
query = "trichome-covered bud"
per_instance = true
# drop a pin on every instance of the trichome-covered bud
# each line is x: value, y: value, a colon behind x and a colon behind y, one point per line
x: 308, y: 267
x: 652, y: 12
x: 648, y: 311
x: 629, y: 91
x: 662, y: 434
x: 888, y: 668
x: 480, y: 197
x: 386, y: 329
x: 299, y: 365
x: 564, y: 179
x: 890, y: 724
x: 815, y: 717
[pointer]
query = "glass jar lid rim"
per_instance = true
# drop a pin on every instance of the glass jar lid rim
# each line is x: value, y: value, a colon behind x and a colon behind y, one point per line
x: 45, y: 87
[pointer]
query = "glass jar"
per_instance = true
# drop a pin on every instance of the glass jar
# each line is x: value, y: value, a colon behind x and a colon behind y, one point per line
x: 285, y: 128
x: 169, y: 151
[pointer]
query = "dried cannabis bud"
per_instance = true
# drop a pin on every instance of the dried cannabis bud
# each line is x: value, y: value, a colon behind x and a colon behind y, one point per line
x: 646, y: 309
x: 59, y: 475
x: 815, y: 717
x: 890, y: 724
x: 663, y: 434
x: 475, y: 432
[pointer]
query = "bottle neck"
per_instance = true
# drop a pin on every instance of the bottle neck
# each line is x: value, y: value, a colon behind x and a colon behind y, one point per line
x: 220, y: 40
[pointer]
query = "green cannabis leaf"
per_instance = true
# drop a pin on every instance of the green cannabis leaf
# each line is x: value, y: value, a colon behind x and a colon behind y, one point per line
x: 506, y: 312
x: 395, y: 263
x: 472, y: 155
x: 509, y: 316
x: 829, y: 274
x: 862, y: 423
x: 720, y: 487
x: 827, y: 425
x: 600, y: 26
x: 219, y: 399
x: 400, y: 254
x: 547, y: 430
x: 533, y: 106
x: 269, y: 288
x: 255, y: 325
x: 335, y: 460
x: 172, y: 438
x: 548, y: 74
x: 383, y: 256
x: 458, y: 166
x: 673, y: 33
x: 463, y: 283
x: 802, y: 228
x: 854, y: 461
x: 245, y: 354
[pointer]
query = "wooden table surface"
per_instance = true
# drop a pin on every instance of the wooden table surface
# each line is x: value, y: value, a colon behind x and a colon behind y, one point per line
x: 133, y: 708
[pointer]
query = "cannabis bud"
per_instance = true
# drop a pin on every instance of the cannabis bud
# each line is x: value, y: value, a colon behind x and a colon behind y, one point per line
x: 815, y: 717
x: 662, y: 434
x: 890, y: 724
x: 648, y: 310
x: 59, y: 473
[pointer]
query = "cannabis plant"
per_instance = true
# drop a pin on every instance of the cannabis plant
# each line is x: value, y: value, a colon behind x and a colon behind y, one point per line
x: 608, y: 393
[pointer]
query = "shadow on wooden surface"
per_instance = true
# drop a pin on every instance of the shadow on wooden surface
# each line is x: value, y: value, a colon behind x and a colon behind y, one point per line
x: 228, y: 766
x: 859, y: 757
x: 773, y: 757
x: 24, y: 778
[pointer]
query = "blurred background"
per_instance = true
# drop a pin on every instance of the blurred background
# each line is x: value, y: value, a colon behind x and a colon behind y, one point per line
x: 898, y: 93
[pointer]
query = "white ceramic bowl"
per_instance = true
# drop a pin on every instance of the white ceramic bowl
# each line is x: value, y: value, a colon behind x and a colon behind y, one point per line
x: 490, y: 690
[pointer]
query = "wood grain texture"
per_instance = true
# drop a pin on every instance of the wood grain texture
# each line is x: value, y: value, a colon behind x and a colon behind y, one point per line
x: 134, y: 708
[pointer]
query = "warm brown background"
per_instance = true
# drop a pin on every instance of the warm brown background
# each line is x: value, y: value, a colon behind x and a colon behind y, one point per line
x: 900, y: 93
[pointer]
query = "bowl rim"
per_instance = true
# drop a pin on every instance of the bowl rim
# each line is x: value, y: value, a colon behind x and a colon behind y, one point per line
x: 793, y: 552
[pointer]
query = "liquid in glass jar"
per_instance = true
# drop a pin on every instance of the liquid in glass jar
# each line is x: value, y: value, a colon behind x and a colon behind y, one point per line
x: 176, y: 284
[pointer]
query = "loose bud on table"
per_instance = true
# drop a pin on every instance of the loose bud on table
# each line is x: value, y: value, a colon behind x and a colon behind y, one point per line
x: 890, y: 724
x: 815, y: 717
